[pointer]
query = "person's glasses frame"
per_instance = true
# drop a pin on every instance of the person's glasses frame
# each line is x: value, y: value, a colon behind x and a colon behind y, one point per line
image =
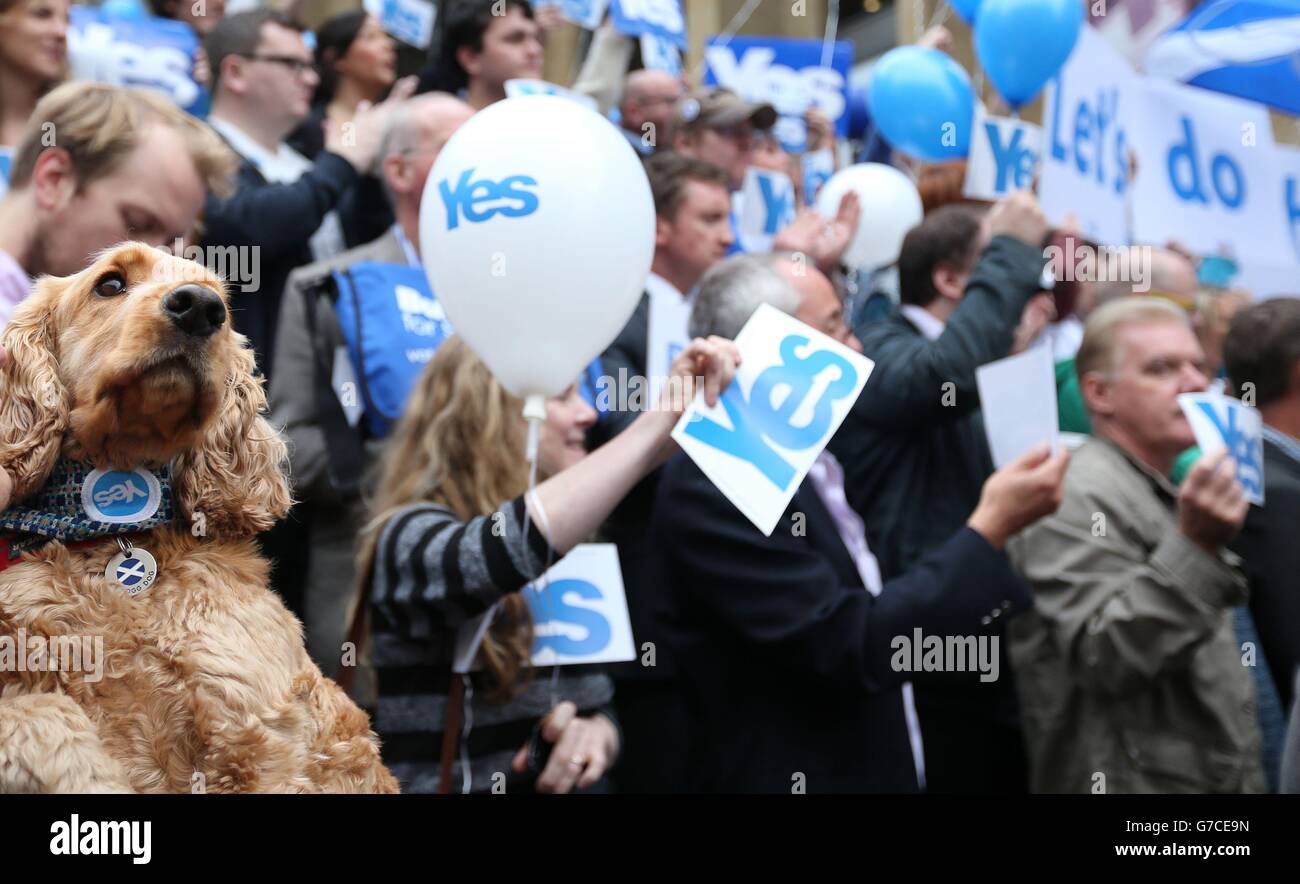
x: 296, y: 65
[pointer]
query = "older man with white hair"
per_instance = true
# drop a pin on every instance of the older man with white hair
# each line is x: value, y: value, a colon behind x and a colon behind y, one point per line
x: 789, y: 638
x: 1129, y: 671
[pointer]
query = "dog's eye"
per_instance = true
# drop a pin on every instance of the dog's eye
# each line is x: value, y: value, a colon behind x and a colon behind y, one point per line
x: 110, y: 285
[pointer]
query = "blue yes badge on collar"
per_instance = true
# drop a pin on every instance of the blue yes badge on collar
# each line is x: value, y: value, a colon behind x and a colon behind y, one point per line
x: 121, y: 497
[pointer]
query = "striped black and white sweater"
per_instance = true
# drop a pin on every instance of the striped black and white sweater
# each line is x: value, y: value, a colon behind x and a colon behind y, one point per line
x: 432, y: 572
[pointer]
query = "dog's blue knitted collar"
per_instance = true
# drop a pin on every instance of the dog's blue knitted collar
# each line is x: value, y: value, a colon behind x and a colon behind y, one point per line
x: 81, y: 503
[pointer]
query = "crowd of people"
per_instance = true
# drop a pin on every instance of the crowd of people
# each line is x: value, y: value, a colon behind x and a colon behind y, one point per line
x: 1121, y: 577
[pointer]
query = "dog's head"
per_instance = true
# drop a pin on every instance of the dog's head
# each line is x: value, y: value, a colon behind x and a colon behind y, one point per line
x: 131, y: 362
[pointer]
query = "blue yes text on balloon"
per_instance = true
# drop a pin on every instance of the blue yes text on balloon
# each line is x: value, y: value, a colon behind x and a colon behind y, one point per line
x: 480, y: 200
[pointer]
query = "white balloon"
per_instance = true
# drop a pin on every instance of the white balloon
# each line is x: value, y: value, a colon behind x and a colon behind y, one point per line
x: 537, y: 232
x: 891, y: 206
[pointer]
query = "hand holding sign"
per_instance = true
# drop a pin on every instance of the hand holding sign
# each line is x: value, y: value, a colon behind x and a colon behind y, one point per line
x: 1019, y: 494
x: 791, y: 394
x: 1223, y: 423
x: 1211, y: 503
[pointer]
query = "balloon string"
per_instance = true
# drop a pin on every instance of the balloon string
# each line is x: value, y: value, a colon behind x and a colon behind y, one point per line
x: 832, y: 30
x: 737, y: 22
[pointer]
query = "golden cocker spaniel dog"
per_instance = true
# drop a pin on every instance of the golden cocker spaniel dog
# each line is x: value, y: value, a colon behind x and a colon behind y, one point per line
x: 131, y: 365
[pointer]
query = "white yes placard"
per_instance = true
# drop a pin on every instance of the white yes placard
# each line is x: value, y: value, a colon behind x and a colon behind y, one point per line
x: 1018, y: 401
x: 1222, y: 422
x: 792, y: 391
x: 579, y: 610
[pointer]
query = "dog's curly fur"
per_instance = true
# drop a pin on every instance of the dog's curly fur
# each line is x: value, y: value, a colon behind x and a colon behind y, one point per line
x: 205, y: 672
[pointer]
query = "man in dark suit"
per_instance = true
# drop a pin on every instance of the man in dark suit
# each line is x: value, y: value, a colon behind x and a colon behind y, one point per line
x: 791, y: 640
x: 692, y: 233
x: 284, y: 205
x: 915, y: 454
x: 1262, y: 355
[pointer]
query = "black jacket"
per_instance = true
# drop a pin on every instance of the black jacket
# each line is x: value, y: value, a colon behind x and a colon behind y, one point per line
x: 788, y: 655
x: 629, y: 525
x: 279, y: 220
x: 915, y: 459
x: 913, y: 448
x: 1270, y: 544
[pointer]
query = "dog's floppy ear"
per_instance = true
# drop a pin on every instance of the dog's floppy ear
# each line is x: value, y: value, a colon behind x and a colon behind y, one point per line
x: 33, y: 401
x: 233, y: 484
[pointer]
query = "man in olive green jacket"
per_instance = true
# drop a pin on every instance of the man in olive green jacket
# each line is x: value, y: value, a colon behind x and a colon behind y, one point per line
x: 1129, y: 673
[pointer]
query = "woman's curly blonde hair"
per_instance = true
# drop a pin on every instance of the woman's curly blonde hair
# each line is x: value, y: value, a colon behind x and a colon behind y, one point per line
x: 460, y: 443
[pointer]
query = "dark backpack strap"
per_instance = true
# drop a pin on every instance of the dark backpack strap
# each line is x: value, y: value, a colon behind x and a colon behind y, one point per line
x: 344, y: 454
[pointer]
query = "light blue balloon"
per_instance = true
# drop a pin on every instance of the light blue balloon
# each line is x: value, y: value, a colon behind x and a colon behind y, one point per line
x: 1021, y: 44
x: 967, y: 9
x: 922, y: 102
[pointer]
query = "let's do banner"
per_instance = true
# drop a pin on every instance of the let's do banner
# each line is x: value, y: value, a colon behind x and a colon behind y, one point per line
x: 1208, y: 173
x: 792, y: 391
x: 579, y: 610
x: 788, y: 74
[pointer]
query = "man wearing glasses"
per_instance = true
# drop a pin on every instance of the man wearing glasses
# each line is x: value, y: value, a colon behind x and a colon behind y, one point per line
x: 263, y: 78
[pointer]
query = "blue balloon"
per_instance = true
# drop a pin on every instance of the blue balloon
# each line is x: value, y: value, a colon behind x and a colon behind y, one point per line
x: 923, y: 103
x: 967, y: 9
x: 1021, y: 44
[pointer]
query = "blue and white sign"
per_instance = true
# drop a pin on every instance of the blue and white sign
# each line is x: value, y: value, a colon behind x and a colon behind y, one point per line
x: 579, y: 610
x: 1206, y: 176
x: 520, y: 87
x: 152, y: 52
x: 583, y: 13
x: 410, y: 21
x: 391, y: 324
x: 121, y: 497
x: 1221, y: 422
x: 818, y: 167
x: 788, y: 74
x: 662, y: 18
x: 792, y: 391
x: 1004, y: 157
x: 1246, y: 48
x: 661, y: 54
x: 1085, y: 158
x: 1287, y: 161
x: 6, y: 163
x: 765, y: 204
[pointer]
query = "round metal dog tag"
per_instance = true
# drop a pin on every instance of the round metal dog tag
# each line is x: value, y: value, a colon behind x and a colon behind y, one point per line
x: 133, y: 569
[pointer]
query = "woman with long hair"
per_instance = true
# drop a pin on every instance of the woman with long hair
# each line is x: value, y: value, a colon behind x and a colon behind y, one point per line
x: 454, y: 532
x: 33, y: 59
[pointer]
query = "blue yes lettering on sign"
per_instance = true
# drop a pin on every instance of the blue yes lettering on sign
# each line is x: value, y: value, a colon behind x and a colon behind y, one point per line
x: 1246, y: 451
x: 548, y: 606
x: 779, y: 205
x: 1015, y: 162
x: 756, y: 421
x: 480, y: 200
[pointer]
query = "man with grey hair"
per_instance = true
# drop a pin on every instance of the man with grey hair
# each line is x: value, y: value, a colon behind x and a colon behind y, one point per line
x: 790, y: 639
x: 1129, y: 672
x: 329, y: 448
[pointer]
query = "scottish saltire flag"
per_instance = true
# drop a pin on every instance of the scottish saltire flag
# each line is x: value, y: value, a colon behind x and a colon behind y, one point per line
x: 1246, y: 48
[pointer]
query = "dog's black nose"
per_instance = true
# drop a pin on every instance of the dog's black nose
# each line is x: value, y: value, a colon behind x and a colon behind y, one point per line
x: 195, y: 310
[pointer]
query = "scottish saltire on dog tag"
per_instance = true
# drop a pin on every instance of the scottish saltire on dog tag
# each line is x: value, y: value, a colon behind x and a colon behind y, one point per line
x: 133, y: 568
